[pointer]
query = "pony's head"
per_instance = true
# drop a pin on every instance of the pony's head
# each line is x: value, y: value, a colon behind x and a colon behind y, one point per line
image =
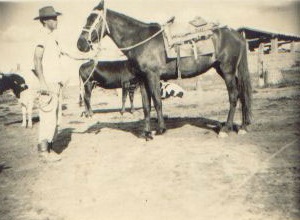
x: 94, y: 30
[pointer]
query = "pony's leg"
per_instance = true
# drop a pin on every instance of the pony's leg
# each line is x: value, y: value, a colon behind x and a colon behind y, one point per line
x: 231, y: 83
x: 131, y: 96
x: 154, y: 87
x: 87, y: 99
x: 23, y: 115
x: 124, y: 96
x: 80, y: 100
x: 146, y: 100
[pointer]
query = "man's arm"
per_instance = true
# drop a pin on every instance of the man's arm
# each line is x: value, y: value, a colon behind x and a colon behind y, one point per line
x: 38, y: 58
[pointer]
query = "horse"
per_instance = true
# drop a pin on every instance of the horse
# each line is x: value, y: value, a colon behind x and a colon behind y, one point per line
x: 143, y: 44
x: 107, y: 75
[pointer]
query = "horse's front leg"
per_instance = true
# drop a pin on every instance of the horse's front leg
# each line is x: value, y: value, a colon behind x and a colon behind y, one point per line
x: 87, y: 100
x: 146, y: 100
x: 154, y: 87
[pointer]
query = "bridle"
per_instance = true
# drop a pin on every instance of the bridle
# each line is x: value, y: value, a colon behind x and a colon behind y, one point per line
x: 100, y: 16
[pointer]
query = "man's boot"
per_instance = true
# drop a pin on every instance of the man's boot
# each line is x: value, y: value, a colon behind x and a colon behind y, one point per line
x: 44, y: 152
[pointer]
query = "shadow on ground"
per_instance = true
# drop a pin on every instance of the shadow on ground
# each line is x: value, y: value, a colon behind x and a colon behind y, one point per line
x: 136, y: 127
x: 35, y: 119
x: 97, y: 111
x: 62, y: 140
x: 4, y: 167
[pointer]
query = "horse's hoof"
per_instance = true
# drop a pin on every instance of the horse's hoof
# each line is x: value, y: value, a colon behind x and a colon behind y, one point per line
x: 149, y: 138
x: 222, y: 134
x: 147, y: 135
x: 161, y: 131
x: 23, y: 125
x: 242, y: 132
x: 132, y: 111
x: 122, y: 112
x: 87, y: 115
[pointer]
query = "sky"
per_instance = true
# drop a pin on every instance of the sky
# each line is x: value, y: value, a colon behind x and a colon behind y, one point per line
x: 18, y: 29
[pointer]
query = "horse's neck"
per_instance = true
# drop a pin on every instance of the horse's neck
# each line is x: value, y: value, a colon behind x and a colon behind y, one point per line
x: 126, y: 31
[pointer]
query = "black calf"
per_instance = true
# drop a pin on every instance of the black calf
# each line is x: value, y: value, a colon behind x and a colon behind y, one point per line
x: 12, y: 81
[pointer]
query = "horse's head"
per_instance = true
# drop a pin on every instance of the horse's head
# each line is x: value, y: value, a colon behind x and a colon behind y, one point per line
x: 94, y: 29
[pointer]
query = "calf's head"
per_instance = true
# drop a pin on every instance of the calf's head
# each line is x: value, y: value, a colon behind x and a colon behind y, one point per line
x: 14, y: 82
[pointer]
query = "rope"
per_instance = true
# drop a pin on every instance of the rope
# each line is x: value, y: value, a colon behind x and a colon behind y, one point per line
x: 74, y: 58
x: 142, y: 42
x: 42, y: 105
x: 91, y: 73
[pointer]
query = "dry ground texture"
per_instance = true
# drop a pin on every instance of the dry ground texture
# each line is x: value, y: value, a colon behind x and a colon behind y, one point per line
x: 108, y: 172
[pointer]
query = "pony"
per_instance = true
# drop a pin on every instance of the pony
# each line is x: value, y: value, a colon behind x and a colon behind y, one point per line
x: 143, y: 44
x: 107, y: 75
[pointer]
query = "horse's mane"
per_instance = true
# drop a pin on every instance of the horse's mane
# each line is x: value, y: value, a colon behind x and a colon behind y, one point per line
x: 135, y: 21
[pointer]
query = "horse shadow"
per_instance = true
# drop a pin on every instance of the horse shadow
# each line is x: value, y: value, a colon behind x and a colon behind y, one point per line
x: 113, y: 110
x: 62, y: 140
x: 135, y: 127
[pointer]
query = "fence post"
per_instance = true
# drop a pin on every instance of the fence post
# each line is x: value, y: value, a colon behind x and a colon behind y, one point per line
x: 273, y: 72
x: 260, y: 65
x: 274, y: 45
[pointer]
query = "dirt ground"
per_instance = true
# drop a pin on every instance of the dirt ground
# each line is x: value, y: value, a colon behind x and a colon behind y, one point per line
x: 108, y: 172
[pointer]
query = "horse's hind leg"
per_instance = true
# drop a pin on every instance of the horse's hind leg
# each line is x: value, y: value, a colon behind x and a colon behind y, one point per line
x: 228, y: 74
x: 146, y: 100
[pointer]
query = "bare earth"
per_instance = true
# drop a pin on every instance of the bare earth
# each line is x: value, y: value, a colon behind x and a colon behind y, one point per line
x: 108, y: 172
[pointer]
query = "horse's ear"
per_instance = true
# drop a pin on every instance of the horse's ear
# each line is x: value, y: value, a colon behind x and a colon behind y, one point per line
x: 100, y: 6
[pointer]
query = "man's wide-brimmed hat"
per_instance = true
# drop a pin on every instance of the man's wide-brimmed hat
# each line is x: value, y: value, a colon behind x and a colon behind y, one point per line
x: 47, y: 12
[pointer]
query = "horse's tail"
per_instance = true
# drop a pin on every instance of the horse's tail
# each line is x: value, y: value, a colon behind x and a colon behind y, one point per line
x: 244, y: 85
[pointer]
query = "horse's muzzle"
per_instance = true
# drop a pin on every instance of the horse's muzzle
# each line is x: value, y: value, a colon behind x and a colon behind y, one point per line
x: 83, y: 45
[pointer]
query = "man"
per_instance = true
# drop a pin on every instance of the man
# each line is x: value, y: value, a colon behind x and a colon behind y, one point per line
x: 47, y: 68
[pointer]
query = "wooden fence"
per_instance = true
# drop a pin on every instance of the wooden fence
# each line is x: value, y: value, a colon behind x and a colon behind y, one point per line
x: 266, y: 69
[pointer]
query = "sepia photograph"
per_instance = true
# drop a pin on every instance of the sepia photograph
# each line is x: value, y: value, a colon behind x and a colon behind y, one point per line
x: 150, y: 110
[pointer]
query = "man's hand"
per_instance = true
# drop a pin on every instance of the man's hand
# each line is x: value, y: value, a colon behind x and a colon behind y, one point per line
x: 44, y: 89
